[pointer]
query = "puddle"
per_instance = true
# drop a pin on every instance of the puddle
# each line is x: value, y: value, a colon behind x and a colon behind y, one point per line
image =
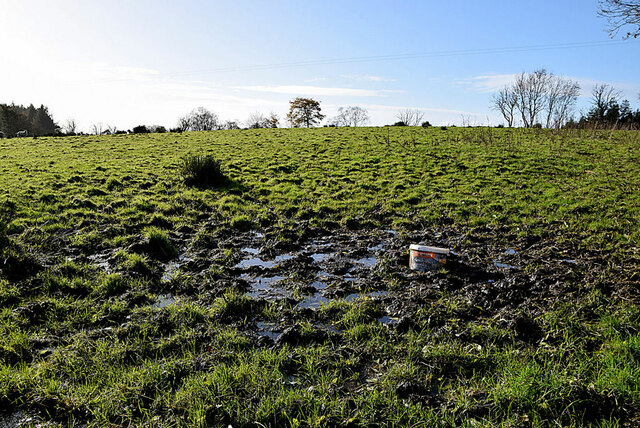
x: 250, y: 250
x: 378, y: 247
x: 367, y: 261
x: 387, y: 320
x: 320, y: 257
x: 257, y: 261
x: 268, y: 329
x: 319, y: 285
x: 170, y: 271
x: 164, y: 300
x: 511, y: 252
x: 503, y: 265
x: 381, y: 293
x: 572, y: 261
x: 17, y: 419
x: 262, y: 286
x: 327, y: 327
x: 101, y: 260
x: 314, y: 301
x: 173, y: 267
x: 351, y: 297
x: 320, y: 244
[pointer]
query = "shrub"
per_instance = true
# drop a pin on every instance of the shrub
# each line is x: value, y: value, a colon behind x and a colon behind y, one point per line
x: 426, y: 124
x: 202, y: 170
x: 140, y: 129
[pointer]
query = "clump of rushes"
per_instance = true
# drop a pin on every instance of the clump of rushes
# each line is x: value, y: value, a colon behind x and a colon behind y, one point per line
x: 202, y: 170
x: 241, y: 222
x: 159, y: 243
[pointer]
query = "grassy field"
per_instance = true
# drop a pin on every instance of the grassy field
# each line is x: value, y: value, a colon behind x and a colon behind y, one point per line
x: 283, y: 297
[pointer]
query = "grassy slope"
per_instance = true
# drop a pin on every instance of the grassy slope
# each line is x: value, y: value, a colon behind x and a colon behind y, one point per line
x: 66, y: 196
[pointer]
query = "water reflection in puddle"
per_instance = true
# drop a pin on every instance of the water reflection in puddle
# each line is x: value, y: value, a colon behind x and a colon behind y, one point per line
x: 320, y: 257
x: 319, y: 285
x: 268, y: 329
x: 262, y: 286
x: 511, y: 252
x: 173, y: 267
x: 378, y: 247
x: 387, y: 320
x: 257, y: 261
x: 100, y: 260
x: 170, y: 271
x: 163, y: 300
x: 367, y: 261
x: 503, y: 265
x: 314, y: 301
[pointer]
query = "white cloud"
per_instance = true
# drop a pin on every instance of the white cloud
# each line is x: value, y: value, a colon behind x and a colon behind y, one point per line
x: 317, y: 91
x: 368, y: 78
x: 488, y: 83
x: 317, y: 79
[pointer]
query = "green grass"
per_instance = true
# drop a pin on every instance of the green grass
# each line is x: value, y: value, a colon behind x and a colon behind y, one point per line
x: 81, y: 345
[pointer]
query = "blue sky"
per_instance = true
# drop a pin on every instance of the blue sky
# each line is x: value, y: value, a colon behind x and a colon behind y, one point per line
x: 125, y: 63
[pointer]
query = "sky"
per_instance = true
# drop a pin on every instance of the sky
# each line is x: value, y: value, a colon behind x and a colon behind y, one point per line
x: 129, y: 62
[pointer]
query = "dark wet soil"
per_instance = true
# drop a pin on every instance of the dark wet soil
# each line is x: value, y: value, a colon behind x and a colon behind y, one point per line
x: 306, y: 269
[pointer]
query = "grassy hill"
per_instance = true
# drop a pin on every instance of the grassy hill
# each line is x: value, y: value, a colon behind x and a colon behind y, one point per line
x: 282, y: 296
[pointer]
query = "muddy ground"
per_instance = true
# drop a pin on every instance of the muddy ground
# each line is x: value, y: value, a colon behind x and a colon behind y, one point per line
x: 304, y: 275
x: 302, y: 269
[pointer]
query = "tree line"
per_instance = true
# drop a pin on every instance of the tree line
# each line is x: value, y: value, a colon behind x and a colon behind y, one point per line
x: 542, y: 99
x: 16, y: 119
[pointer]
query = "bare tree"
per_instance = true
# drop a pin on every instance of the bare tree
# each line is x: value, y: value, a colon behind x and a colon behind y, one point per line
x: 230, y: 124
x: 111, y: 129
x: 505, y: 102
x: 184, y: 123
x: 560, y: 99
x: 620, y: 13
x: 530, y: 89
x: 272, y: 121
x: 535, y: 94
x: 96, y: 128
x: 604, y: 98
x: 256, y: 120
x: 410, y: 117
x: 199, y: 119
x: 70, y: 127
x: 351, y: 116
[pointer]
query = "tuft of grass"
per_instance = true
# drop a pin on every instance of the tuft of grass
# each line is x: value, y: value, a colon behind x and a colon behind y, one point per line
x: 159, y: 242
x: 202, y: 170
x: 241, y: 222
x: 113, y: 284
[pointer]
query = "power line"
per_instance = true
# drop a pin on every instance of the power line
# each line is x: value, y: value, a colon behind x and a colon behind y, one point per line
x: 394, y: 57
x: 463, y: 52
